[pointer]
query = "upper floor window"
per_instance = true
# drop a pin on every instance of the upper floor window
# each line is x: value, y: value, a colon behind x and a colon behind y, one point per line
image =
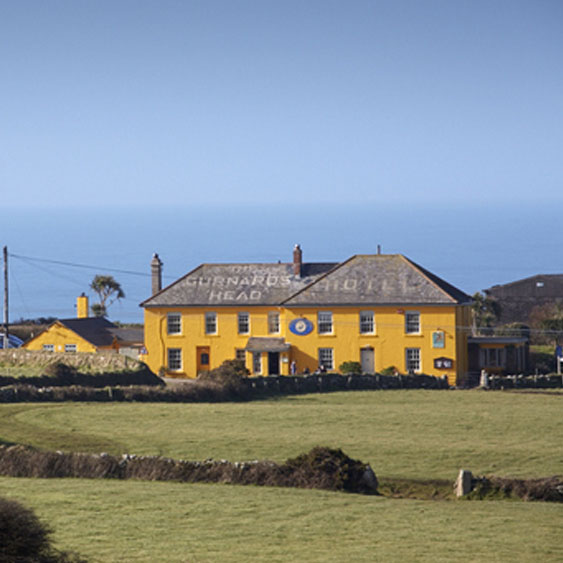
x: 412, y: 322
x: 273, y: 322
x: 71, y: 348
x: 210, y: 323
x: 174, y: 323
x: 412, y: 360
x: 324, y: 322
x: 367, y: 323
x: 243, y: 323
x: 174, y: 359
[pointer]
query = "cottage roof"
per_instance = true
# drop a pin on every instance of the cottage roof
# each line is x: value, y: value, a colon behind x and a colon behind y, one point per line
x: 362, y: 279
x: 95, y: 330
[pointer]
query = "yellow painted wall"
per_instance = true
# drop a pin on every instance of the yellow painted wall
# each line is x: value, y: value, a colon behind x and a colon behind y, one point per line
x: 389, y: 341
x: 58, y: 335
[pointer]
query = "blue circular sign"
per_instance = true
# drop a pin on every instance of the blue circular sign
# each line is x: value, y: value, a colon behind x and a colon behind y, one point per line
x: 300, y: 326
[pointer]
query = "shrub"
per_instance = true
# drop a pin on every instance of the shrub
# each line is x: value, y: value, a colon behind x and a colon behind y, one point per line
x: 25, y: 539
x: 60, y: 371
x: 229, y: 376
x: 326, y: 468
x: 390, y: 370
x: 347, y: 368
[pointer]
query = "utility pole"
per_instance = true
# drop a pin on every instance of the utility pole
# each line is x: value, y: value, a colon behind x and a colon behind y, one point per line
x: 6, y: 341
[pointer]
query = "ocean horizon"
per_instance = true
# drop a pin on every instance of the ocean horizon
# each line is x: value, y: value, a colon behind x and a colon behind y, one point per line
x: 55, y: 253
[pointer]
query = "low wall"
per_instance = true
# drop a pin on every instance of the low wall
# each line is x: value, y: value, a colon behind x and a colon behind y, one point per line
x: 193, y: 391
x: 98, y: 361
x: 549, y: 381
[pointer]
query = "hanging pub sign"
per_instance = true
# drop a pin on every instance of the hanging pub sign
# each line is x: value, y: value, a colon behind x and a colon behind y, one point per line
x: 438, y: 339
x: 301, y: 326
x: 443, y: 363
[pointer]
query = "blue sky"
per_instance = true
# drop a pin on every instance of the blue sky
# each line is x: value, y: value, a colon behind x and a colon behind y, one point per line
x: 120, y: 102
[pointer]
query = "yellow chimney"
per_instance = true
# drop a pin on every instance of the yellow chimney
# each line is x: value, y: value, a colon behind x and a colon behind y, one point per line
x: 82, y: 307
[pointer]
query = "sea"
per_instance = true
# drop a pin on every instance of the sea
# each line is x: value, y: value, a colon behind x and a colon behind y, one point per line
x: 53, y: 254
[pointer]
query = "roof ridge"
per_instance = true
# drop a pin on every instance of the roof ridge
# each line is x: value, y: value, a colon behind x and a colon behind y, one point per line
x: 337, y: 267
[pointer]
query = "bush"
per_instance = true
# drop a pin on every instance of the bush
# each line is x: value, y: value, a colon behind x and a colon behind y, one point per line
x: 63, y: 372
x: 25, y: 539
x: 390, y: 370
x: 347, y: 368
x: 326, y: 468
x: 229, y: 376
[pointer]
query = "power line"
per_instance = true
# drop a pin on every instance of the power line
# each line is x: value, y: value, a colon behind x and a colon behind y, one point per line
x: 76, y: 265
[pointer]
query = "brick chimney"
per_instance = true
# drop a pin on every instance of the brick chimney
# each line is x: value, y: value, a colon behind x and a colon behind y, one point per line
x: 156, y: 274
x: 82, y: 306
x: 297, y: 260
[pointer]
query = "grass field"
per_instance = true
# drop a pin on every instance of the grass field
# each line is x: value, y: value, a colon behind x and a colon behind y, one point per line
x: 407, y: 434
x: 116, y: 521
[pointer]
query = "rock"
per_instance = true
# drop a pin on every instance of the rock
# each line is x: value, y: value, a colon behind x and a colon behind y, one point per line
x: 462, y: 486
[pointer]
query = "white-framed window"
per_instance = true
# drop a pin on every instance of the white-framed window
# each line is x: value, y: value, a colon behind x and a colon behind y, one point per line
x: 367, y: 322
x: 70, y: 348
x: 240, y: 354
x: 326, y: 358
x: 210, y: 323
x: 257, y: 362
x: 273, y: 322
x: 243, y: 323
x: 174, y: 323
x: 324, y: 322
x: 412, y: 360
x: 412, y: 322
x: 174, y: 356
x: 48, y: 347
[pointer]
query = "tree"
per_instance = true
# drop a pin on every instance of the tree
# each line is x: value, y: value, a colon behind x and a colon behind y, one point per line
x: 485, y: 312
x: 547, y: 319
x: 108, y: 291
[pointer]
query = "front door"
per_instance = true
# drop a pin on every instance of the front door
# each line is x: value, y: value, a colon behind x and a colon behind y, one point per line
x: 367, y: 358
x: 273, y: 363
x: 202, y: 358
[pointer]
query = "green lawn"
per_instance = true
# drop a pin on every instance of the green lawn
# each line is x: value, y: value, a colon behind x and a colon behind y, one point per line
x: 408, y: 434
x: 115, y: 521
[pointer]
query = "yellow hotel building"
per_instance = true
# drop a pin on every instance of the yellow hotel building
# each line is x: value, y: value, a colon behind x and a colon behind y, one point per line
x: 379, y: 310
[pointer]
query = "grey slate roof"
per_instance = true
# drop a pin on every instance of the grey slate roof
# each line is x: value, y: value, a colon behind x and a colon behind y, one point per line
x: 237, y: 284
x: 361, y: 280
x: 377, y: 280
x: 101, y: 332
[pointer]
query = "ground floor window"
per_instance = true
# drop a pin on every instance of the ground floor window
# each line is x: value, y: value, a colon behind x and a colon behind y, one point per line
x: 48, y: 347
x: 493, y: 357
x: 240, y: 354
x: 413, y: 360
x: 257, y: 362
x: 174, y: 359
x: 326, y: 358
x: 70, y: 348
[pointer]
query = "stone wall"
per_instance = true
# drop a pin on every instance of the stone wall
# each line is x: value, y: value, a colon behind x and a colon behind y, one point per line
x: 98, y: 362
